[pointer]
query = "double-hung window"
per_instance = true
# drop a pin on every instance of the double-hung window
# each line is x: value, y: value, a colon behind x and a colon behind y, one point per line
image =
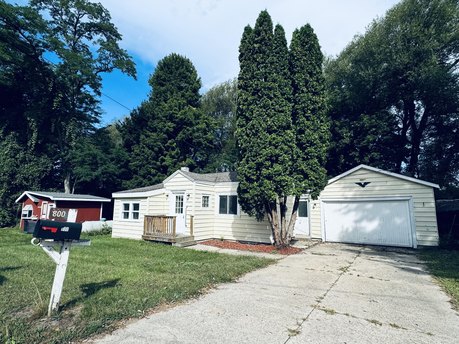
x: 227, y: 204
x: 130, y: 211
x: 27, y: 212
x: 205, y: 201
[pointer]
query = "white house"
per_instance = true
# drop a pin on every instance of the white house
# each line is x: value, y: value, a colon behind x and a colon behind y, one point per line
x: 364, y: 205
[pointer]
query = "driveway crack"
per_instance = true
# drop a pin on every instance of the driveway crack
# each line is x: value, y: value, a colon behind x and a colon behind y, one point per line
x: 342, y: 270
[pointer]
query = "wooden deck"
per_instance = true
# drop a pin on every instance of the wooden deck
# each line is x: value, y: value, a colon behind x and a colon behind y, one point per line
x: 163, y: 229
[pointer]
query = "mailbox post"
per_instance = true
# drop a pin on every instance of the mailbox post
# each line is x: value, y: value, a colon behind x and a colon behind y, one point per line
x: 56, y: 239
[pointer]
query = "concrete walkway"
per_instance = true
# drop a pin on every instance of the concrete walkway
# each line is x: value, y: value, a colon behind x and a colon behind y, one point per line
x: 331, y: 293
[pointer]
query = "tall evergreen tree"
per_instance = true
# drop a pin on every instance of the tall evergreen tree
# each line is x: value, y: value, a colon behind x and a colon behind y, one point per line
x: 264, y: 128
x: 309, y: 112
x: 175, y: 133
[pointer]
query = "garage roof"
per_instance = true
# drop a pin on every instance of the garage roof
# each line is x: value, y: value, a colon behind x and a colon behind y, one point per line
x: 392, y: 174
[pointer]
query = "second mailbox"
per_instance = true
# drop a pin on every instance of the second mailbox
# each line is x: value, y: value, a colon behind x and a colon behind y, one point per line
x: 58, y: 231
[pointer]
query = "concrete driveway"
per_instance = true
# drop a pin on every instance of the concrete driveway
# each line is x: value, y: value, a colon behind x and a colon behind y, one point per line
x: 331, y: 293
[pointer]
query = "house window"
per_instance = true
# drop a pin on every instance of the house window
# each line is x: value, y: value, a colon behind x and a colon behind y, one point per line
x: 135, y: 211
x: 303, y: 209
x: 131, y: 211
x: 179, y: 204
x: 228, y: 205
x: 126, y: 207
x: 27, y: 212
x: 205, y: 201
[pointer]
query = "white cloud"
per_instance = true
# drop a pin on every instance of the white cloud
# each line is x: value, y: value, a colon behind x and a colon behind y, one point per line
x: 209, y: 31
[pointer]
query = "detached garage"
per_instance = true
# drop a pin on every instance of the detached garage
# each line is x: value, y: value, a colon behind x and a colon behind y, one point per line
x: 366, y: 205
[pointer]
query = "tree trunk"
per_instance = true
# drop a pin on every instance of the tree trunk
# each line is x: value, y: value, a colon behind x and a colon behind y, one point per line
x: 414, y: 154
x: 67, y: 188
x: 417, y: 133
x: 276, y: 217
x: 293, y: 217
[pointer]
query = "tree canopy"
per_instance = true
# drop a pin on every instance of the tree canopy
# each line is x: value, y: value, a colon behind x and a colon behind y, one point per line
x: 52, y: 57
x: 394, y: 93
x: 219, y: 103
x: 172, y: 129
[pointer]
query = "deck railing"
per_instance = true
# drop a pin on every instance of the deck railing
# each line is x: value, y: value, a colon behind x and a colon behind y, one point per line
x: 164, y: 226
x: 161, y: 226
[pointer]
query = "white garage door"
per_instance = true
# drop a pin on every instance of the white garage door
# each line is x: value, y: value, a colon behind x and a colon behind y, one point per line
x: 385, y: 222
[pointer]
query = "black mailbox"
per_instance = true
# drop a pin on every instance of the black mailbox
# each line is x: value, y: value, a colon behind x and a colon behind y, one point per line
x: 58, y: 231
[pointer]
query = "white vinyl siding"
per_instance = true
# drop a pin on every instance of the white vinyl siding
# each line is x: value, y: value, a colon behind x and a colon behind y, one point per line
x: 383, y: 186
x: 204, y: 218
x: 239, y: 227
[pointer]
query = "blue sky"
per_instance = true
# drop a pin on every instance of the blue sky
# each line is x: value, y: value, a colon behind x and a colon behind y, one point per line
x: 208, y: 32
x: 125, y: 90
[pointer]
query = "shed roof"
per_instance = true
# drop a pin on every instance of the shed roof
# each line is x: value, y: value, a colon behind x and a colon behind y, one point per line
x: 392, y: 174
x: 60, y: 196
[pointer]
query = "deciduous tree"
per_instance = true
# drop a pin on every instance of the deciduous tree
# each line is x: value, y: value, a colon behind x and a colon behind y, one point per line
x: 84, y: 44
x: 220, y: 103
x: 394, y: 92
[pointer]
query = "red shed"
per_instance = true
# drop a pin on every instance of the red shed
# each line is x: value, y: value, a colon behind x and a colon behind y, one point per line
x: 60, y: 206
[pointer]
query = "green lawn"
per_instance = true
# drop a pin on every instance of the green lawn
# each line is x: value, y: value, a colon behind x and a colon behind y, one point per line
x: 444, y: 266
x: 110, y: 280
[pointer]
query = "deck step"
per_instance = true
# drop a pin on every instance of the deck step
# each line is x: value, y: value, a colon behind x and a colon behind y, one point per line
x: 179, y: 240
x: 182, y: 238
x: 185, y: 243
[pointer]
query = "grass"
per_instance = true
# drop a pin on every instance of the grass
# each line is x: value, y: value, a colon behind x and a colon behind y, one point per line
x: 374, y: 322
x: 109, y: 281
x: 444, y: 266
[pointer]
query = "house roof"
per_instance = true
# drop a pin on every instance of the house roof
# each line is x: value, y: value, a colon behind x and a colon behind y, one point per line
x: 144, y: 189
x: 220, y: 177
x: 447, y: 205
x: 60, y: 196
x: 395, y: 175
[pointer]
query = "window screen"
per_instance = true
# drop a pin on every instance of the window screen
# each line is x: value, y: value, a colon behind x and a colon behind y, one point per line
x: 232, y: 209
x: 135, y: 211
x: 205, y: 201
x: 223, y: 208
x: 228, y: 205
x: 179, y: 204
x: 126, y: 211
x: 303, y: 209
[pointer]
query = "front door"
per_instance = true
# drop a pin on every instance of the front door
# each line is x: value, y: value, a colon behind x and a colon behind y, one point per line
x: 302, y: 221
x: 178, y: 208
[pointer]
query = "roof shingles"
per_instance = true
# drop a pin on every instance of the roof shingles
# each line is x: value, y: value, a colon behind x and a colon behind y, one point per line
x: 144, y: 189
x: 221, y: 177
x: 59, y: 196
